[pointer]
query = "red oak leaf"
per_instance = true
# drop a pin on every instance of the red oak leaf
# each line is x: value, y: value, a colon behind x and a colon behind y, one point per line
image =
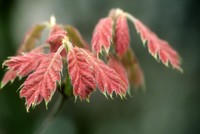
x: 122, y: 37
x: 117, y: 66
x: 55, y: 39
x: 102, y: 35
x: 8, y: 76
x: 157, y: 46
x: 106, y: 78
x: 25, y: 64
x: 27, y: 45
x: 133, y: 69
x: 82, y: 78
x: 21, y: 65
x: 41, y: 84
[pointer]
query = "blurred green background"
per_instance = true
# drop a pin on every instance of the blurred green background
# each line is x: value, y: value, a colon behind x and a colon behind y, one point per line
x: 171, y: 104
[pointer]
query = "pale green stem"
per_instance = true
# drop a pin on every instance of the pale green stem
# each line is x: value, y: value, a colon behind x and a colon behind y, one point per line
x: 130, y: 17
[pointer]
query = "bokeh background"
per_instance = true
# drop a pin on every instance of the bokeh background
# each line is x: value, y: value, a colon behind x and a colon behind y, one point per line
x: 171, y: 103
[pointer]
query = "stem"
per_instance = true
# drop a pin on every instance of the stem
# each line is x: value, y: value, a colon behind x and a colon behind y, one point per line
x: 52, y: 115
x: 130, y: 17
x: 65, y: 42
x: 68, y: 87
x: 60, y: 49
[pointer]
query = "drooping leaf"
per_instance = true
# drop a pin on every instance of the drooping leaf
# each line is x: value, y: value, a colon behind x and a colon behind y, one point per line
x: 133, y: 69
x: 41, y: 84
x: 27, y: 45
x: 75, y: 37
x: 22, y: 60
x: 25, y: 64
x: 118, y: 67
x: 157, y: 47
x: 81, y: 73
x: 31, y: 37
x: 122, y: 37
x: 107, y: 79
x: 8, y: 76
x: 55, y: 39
x: 102, y: 35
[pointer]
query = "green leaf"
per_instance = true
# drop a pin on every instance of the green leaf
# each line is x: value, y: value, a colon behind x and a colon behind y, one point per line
x: 135, y: 73
x: 30, y: 38
x: 75, y: 37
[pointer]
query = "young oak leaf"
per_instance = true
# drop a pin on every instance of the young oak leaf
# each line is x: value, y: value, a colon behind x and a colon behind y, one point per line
x: 81, y: 74
x: 24, y: 64
x: 157, y: 46
x: 41, y: 84
x: 133, y: 69
x: 27, y: 45
x: 118, y: 67
x: 102, y: 35
x: 10, y: 75
x: 107, y: 79
x: 122, y: 37
x: 55, y: 39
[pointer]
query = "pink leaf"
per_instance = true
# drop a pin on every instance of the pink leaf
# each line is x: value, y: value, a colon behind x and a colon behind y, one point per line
x: 102, y: 35
x: 24, y: 64
x: 106, y: 78
x: 157, y: 46
x: 41, y: 84
x: 117, y: 66
x: 122, y: 37
x: 11, y: 75
x: 55, y: 39
x: 8, y: 76
x: 27, y: 45
x: 82, y: 78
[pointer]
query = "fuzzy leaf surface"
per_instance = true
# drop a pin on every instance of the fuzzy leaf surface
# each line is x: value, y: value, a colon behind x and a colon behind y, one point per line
x: 118, y: 67
x: 158, y: 47
x: 55, y: 39
x: 41, y: 84
x: 8, y: 76
x: 21, y: 65
x: 27, y: 45
x: 102, y: 35
x: 107, y: 79
x: 81, y: 74
x: 25, y: 64
x: 122, y: 37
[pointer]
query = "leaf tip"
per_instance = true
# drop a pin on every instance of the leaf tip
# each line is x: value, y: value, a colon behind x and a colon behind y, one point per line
x: 46, y: 104
x: 105, y: 94
x: 88, y: 99
x: 129, y: 93
x: 75, y: 98
x: 27, y: 108
x: 179, y: 69
x: 1, y: 85
x: 111, y: 96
